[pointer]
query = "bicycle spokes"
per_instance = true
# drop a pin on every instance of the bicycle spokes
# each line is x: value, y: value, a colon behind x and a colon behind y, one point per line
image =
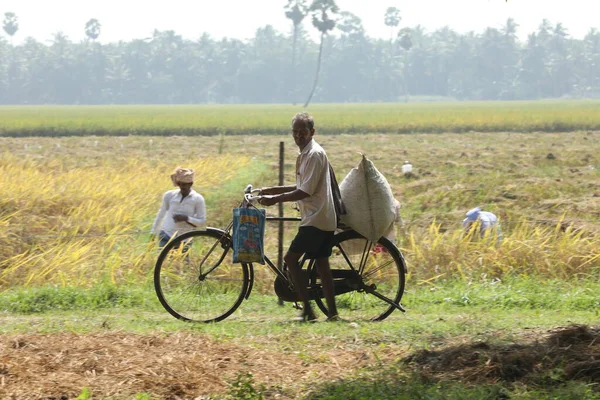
x: 368, y: 277
x: 199, y: 282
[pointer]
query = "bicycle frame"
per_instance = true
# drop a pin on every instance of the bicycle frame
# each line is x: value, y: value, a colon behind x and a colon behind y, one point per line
x: 279, y: 270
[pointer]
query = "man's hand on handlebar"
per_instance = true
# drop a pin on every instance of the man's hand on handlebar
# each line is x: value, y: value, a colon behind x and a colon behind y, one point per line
x: 271, y: 190
x: 266, y: 191
x: 267, y: 200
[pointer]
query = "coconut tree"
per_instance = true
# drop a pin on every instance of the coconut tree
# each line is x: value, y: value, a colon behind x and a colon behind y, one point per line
x: 10, y: 24
x: 510, y: 58
x: 92, y: 29
x: 94, y: 63
x: 321, y: 11
x: 296, y: 11
x: 405, y: 41
x: 392, y: 19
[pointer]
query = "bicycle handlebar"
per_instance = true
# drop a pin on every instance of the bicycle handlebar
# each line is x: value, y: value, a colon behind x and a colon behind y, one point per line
x: 248, y: 196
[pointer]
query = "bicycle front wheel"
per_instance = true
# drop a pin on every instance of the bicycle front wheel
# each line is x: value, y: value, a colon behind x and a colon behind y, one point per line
x: 195, y: 279
x: 371, y: 275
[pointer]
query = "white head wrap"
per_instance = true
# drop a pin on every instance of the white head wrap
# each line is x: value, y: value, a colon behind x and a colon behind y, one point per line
x: 182, y: 175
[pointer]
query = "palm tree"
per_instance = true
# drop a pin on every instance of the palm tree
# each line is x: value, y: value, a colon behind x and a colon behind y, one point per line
x: 295, y: 10
x: 92, y: 29
x: 321, y: 20
x: 511, y: 50
x: 10, y: 24
x: 406, y: 43
x: 392, y: 19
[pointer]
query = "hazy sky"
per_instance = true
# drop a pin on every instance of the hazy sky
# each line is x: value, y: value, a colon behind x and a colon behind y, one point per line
x: 128, y: 19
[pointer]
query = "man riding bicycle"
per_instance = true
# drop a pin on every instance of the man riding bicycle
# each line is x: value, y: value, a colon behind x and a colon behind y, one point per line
x: 314, y: 196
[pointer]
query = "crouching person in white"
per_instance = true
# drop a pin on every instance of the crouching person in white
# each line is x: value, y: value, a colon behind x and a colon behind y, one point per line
x: 182, y: 209
x: 487, y: 221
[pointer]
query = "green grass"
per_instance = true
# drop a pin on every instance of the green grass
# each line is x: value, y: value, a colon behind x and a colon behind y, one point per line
x: 523, y: 295
x: 451, y: 312
x: 395, y: 384
x: 37, y: 300
x: 545, y: 116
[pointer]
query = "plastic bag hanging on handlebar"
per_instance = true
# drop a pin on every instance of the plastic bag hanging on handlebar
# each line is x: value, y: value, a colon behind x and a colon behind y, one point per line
x: 248, y: 235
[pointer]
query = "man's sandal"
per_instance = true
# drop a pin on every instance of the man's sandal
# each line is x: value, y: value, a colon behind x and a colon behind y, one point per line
x: 335, y: 318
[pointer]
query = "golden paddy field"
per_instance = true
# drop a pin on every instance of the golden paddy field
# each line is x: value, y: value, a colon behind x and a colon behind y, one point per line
x: 77, y: 210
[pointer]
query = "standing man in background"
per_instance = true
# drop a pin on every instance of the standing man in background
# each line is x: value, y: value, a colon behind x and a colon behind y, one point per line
x: 181, y: 210
x: 316, y: 202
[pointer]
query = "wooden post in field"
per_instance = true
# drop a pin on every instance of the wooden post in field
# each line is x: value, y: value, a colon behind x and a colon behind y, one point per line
x: 280, y: 232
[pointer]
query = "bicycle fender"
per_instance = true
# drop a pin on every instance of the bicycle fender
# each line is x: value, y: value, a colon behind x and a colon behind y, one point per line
x: 397, y: 252
x: 250, y: 269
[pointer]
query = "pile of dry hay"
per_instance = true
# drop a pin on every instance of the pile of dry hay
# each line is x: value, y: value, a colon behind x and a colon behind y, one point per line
x: 169, y: 366
x: 566, y: 353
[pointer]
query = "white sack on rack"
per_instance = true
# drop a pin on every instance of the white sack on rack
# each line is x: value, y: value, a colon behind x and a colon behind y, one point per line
x: 369, y: 201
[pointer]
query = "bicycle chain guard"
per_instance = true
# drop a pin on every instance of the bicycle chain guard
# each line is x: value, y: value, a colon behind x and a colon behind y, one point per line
x: 344, y: 281
x: 284, y: 292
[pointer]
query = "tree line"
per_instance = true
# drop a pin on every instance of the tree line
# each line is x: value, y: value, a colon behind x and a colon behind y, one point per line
x: 344, y: 65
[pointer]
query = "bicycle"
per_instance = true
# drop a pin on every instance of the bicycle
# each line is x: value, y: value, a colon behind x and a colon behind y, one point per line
x: 198, y: 282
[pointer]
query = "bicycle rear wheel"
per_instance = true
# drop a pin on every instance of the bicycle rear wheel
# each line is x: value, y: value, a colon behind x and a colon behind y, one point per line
x: 371, y: 273
x: 195, y: 279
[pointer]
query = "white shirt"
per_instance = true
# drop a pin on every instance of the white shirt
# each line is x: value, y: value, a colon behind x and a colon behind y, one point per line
x: 312, y: 177
x: 192, y: 205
